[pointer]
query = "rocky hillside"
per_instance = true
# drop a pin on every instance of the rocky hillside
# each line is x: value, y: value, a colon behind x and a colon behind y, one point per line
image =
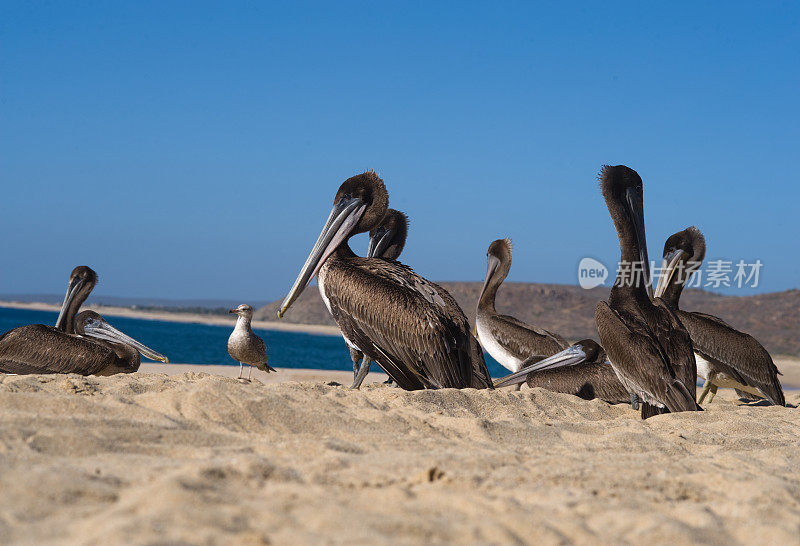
x: 774, y: 318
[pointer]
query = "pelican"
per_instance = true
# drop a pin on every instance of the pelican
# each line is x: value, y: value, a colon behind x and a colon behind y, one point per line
x: 647, y: 345
x: 387, y: 242
x: 96, y: 348
x: 82, y: 281
x: 725, y: 356
x: 508, y: 340
x: 410, y: 326
x: 582, y: 369
x: 244, y: 345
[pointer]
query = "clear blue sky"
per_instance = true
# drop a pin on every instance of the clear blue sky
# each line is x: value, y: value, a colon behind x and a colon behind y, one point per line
x: 192, y: 150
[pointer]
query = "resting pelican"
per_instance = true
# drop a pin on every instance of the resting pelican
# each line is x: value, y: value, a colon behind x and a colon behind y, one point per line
x: 649, y: 348
x: 410, y: 326
x: 582, y: 369
x: 387, y: 242
x: 82, y: 281
x: 96, y: 348
x: 508, y: 340
x: 244, y: 345
x: 725, y: 356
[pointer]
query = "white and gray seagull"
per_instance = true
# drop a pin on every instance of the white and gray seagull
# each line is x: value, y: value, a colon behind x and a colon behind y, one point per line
x: 244, y: 345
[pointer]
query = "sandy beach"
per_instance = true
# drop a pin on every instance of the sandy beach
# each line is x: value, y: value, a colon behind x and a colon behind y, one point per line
x: 193, y: 318
x: 196, y: 458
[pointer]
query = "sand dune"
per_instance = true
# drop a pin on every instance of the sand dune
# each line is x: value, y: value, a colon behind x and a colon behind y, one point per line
x: 204, y: 459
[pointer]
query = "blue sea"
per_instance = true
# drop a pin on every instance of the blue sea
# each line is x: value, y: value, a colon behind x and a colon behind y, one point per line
x: 206, y: 344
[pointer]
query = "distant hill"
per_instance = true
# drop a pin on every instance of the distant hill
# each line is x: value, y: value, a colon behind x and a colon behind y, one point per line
x: 773, y: 318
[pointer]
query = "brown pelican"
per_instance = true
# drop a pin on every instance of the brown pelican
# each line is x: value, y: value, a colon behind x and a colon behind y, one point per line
x: 582, y: 370
x: 246, y: 347
x: 96, y: 348
x: 725, y: 356
x: 410, y: 326
x: 649, y: 348
x: 82, y: 281
x: 508, y: 340
x: 387, y: 242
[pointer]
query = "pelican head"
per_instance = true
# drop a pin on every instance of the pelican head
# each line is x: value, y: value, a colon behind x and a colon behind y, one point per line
x: 498, y: 262
x: 685, y: 247
x: 82, y: 281
x: 242, y: 310
x: 389, y: 238
x: 586, y: 350
x: 359, y: 205
x: 92, y: 325
x: 623, y: 191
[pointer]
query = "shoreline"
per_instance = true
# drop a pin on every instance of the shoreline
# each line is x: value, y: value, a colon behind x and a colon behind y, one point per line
x: 788, y: 365
x: 191, y: 318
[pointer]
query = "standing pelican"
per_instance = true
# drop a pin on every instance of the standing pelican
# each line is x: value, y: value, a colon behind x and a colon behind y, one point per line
x: 244, y: 345
x: 82, y: 281
x: 508, y: 340
x: 410, y: 326
x: 582, y: 369
x: 387, y: 242
x: 649, y: 348
x: 96, y: 348
x: 725, y: 356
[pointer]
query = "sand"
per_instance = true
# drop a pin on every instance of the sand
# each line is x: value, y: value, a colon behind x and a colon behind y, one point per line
x: 194, y: 458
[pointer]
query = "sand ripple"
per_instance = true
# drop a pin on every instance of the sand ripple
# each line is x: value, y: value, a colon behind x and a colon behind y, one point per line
x: 203, y: 459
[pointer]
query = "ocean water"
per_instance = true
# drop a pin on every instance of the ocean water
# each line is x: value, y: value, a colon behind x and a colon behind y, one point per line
x: 206, y: 344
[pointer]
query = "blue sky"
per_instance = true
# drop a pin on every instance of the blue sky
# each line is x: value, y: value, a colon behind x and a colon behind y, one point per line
x: 192, y: 150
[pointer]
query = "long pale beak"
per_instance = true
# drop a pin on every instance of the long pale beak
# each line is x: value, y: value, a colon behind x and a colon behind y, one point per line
x: 637, y: 211
x: 343, y: 218
x: 492, y: 263
x: 72, y: 291
x: 380, y: 242
x: 568, y: 357
x: 668, y: 268
x: 103, y: 330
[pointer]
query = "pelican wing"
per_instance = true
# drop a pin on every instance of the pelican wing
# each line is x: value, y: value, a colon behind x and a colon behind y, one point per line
x: 401, y: 321
x: 641, y: 362
x: 736, y: 353
x: 39, y: 349
x: 523, y: 340
x: 587, y: 380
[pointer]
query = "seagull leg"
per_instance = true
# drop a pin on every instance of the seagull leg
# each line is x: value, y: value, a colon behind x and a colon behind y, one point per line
x: 361, y: 374
x: 249, y: 372
x: 706, y: 388
x: 713, y: 391
x: 241, y: 370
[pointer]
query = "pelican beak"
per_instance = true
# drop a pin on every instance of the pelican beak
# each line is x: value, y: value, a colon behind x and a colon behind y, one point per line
x: 492, y: 263
x: 636, y: 205
x: 568, y: 357
x: 73, y: 288
x: 379, y: 242
x: 668, y: 267
x: 343, y: 218
x: 103, y: 330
